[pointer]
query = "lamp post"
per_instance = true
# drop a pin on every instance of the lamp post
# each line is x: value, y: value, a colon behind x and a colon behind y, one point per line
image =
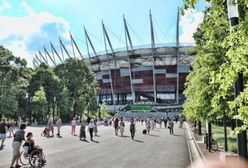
x: 54, y: 100
x: 233, y: 16
x: 99, y: 113
x: 26, y: 106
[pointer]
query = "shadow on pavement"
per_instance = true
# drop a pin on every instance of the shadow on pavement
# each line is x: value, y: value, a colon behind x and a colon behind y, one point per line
x: 124, y: 136
x: 85, y: 141
x: 153, y: 135
x: 176, y: 135
x: 94, y: 141
x: 138, y: 141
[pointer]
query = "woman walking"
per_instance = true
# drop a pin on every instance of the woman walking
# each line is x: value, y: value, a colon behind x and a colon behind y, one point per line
x: 19, y: 136
x: 148, y: 126
x: 122, y: 125
x: 73, y: 126
x: 116, y: 125
x: 91, y: 127
x: 82, y: 131
x: 58, y: 124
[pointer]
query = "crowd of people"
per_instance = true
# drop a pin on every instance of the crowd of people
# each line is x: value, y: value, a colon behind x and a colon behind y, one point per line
x: 118, y: 123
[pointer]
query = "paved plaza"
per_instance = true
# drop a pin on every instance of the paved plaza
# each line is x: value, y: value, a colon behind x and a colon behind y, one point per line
x: 157, y: 150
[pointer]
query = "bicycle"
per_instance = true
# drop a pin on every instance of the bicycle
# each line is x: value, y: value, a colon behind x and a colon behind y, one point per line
x: 32, y: 158
x: 214, y: 144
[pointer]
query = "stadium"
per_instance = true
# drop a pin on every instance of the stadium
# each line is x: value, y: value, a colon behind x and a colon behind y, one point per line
x: 134, y: 78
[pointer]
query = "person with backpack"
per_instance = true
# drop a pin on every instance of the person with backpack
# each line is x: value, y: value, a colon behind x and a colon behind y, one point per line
x: 132, y: 129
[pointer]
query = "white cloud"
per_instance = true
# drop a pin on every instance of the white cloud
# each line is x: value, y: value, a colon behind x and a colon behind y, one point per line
x: 189, y: 23
x: 4, y: 5
x: 17, y: 33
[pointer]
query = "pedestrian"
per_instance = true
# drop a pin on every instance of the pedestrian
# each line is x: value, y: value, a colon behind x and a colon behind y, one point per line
x: 58, y: 124
x: 160, y: 123
x: 95, y: 128
x: 50, y: 126
x: 148, y: 126
x: 165, y: 122
x: 91, y: 127
x: 11, y: 128
x: 152, y: 124
x: 32, y: 146
x: 181, y: 122
x: 19, y: 136
x: 116, y: 125
x: 3, y: 130
x: 122, y: 126
x: 73, y: 126
x: 132, y: 129
x: 82, y: 131
x: 176, y: 118
x: 171, y: 126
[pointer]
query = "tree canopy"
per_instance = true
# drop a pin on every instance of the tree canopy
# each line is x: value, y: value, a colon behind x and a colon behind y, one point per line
x: 221, y: 54
x: 67, y: 90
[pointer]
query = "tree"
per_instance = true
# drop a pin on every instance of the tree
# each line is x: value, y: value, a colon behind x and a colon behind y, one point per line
x: 220, y: 58
x: 39, y: 103
x: 104, y: 112
x: 45, y: 77
x: 80, y: 82
x: 13, y: 81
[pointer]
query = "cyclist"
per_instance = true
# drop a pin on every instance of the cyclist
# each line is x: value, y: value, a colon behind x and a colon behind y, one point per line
x: 30, y: 142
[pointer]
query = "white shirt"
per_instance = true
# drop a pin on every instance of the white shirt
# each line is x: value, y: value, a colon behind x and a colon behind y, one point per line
x: 91, y: 125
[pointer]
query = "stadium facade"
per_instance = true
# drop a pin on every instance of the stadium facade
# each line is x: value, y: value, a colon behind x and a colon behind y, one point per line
x: 155, y: 73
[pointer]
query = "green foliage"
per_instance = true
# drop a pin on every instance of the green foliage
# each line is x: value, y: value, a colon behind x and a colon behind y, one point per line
x: 71, y: 83
x: 221, y: 57
x: 14, y: 78
x: 39, y: 103
x: 104, y: 112
x: 81, y: 84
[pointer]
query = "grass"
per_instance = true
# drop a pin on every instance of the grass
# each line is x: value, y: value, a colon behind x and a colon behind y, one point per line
x: 218, y: 134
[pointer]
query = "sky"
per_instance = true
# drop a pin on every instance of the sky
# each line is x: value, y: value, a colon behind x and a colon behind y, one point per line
x: 26, y: 26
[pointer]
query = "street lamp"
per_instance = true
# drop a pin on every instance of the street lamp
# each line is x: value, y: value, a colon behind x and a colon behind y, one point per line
x: 99, y: 105
x: 233, y: 16
x: 26, y: 107
x: 54, y: 100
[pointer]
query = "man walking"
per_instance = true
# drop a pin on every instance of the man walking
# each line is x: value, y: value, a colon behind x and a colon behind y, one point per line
x: 171, y: 125
x: 132, y: 129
